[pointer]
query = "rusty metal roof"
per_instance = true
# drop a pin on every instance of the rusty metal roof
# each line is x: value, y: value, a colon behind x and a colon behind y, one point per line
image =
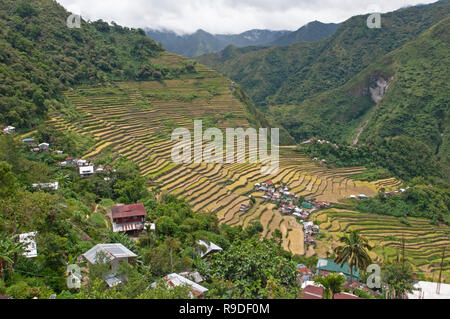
x: 121, y: 211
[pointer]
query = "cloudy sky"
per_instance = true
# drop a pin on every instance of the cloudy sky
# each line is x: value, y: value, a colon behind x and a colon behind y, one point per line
x: 228, y: 16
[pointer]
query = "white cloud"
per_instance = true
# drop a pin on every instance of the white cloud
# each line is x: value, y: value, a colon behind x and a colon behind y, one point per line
x: 227, y: 16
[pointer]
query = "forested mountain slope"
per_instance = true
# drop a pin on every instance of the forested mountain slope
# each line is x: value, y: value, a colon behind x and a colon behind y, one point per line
x: 40, y: 56
x: 280, y: 75
x: 311, y: 32
x: 202, y: 42
x: 402, y: 99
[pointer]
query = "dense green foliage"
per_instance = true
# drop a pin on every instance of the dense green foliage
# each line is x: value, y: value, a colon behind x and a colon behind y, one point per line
x: 311, y: 32
x: 398, y: 277
x: 354, y: 251
x: 398, y: 155
x: 326, y: 89
x: 202, y: 42
x: 73, y: 219
x: 406, y: 131
x: 431, y: 202
x: 40, y: 56
x: 250, y: 266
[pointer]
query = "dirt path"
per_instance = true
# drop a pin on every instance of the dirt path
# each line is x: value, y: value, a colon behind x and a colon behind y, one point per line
x: 361, y: 129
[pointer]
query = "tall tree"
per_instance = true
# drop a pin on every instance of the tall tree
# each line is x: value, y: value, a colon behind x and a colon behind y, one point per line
x: 9, y: 250
x: 332, y: 284
x: 399, y: 278
x: 354, y: 251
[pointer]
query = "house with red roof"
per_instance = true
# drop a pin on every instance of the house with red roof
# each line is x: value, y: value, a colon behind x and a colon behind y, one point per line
x: 128, y: 218
x: 312, y: 291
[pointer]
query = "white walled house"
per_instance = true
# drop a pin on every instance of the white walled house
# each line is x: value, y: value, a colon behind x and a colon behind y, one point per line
x: 86, y: 171
x: 31, y: 247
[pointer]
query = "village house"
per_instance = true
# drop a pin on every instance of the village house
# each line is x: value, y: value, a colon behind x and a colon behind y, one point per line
x: 150, y: 226
x: 210, y: 248
x: 28, y: 141
x: 43, y: 147
x: 128, y: 218
x: 47, y: 186
x: 194, y: 276
x: 29, y: 239
x: 430, y: 290
x: 86, y: 171
x: 310, y: 228
x: 8, y: 129
x: 310, y: 290
x: 176, y: 280
x: 327, y: 266
x: 70, y: 161
x: 115, y: 253
x: 267, y: 184
x: 304, y: 273
x: 307, y: 205
x: 245, y: 208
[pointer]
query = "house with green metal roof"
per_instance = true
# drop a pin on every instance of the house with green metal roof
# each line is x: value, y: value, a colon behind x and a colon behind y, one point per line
x: 327, y: 266
x: 307, y: 205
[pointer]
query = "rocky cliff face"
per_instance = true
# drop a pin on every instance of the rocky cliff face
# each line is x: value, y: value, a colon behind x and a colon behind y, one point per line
x: 378, y: 87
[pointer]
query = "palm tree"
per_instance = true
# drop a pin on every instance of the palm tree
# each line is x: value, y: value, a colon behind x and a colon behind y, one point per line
x: 332, y: 284
x: 354, y: 251
x: 9, y: 249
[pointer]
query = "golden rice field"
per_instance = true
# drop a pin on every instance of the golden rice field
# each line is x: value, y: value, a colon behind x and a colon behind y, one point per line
x: 135, y: 119
x: 423, y: 242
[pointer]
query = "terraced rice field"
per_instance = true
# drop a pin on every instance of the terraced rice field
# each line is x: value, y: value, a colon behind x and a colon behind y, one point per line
x: 136, y: 119
x: 423, y: 242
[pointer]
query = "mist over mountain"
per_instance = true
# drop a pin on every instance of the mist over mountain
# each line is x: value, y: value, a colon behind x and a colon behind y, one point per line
x: 202, y: 42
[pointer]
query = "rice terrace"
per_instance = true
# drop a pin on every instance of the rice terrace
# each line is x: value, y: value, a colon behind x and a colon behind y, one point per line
x: 135, y: 120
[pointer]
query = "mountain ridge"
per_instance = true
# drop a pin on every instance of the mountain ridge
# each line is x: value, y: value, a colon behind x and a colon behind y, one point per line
x: 202, y: 42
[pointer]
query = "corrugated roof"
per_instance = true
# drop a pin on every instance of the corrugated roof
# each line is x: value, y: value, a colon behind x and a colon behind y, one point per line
x: 121, y: 211
x: 210, y: 247
x: 330, y: 265
x: 112, y: 250
x: 177, y: 280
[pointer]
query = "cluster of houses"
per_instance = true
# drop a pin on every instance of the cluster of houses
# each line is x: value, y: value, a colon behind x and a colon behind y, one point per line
x: 8, y: 129
x: 280, y: 195
x: 397, y: 192
x: 38, y: 148
x: 324, y: 267
x: 84, y: 167
x: 131, y: 219
x: 310, y: 230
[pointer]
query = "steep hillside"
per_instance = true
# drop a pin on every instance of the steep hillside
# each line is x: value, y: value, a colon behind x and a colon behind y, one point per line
x: 312, y: 32
x: 404, y: 94
x: 202, y: 42
x: 40, y: 57
x: 291, y: 74
x: 135, y: 119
